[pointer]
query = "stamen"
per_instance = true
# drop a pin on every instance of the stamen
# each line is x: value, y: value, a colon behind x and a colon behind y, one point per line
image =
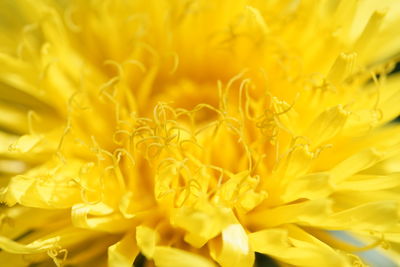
x: 32, y: 115
x: 137, y: 63
x: 259, y: 19
x: 244, y: 83
x: 120, y: 132
x: 109, y: 83
x: 116, y: 65
x: 54, y: 255
x: 119, y: 151
x: 175, y: 65
x: 68, y: 17
x: 225, y: 93
x: 27, y: 29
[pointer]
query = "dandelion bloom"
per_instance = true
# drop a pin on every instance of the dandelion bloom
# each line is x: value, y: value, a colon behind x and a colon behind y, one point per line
x: 198, y: 133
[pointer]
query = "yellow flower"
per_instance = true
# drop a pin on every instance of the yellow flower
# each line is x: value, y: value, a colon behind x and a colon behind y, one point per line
x: 197, y: 133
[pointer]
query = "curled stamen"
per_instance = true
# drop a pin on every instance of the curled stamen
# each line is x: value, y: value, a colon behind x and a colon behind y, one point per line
x: 356, y: 261
x: 157, y: 147
x: 320, y: 149
x: 189, y: 141
x: 204, y: 105
x: 143, y: 130
x: 98, y: 150
x: 259, y: 19
x: 300, y: 138
x: 84, y: 189
x: 192, y: 183
x: 175, y: 63
x: 210, y: 125
x: 136, y: 63
x: 119, y: 151
x: 54, y: 255
x: 150, y: 50
x: 165, y: 163
x: 32, y: 115
x: 45, y: 71
x: 27, y: 29
x: 243, y: 84
x: 73, y: 102
x: 223, y: 93
x: 108, y: 84
x: 120, y: 132
x: 116, y: 65
x: 220, y: 179
x: 247, y: 104
x: 149, y: 138
x: 68, y: 17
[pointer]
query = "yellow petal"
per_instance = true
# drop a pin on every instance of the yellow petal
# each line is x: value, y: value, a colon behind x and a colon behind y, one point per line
x: 202, y: 223
x: 123, y: 253
x: 15, y: 224
x: 311, y: 186
x: 307, y: 212
x: 390, y: 108
x: 235, y: 250
x: 6, y: 140
x: 362, y: 45
x: 350, y: 198
x: 369, y: 182
x: 296, y: 163
x: 296, y: 247
x: 18, y: 75
x: 327, y: 125
x: 113, y: 223
x: 36, y: 189
x: 173, y: 257
x: 288, y: 117
x: 378, y: 216
x: 13, y: 118
x: 342, y: 68
x: 34, y: 247
x: 146, y: 240
x: 383, y: 96
x: 355, y: 164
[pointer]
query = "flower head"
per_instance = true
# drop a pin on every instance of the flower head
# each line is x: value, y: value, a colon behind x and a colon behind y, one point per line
x: 197, y: 133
